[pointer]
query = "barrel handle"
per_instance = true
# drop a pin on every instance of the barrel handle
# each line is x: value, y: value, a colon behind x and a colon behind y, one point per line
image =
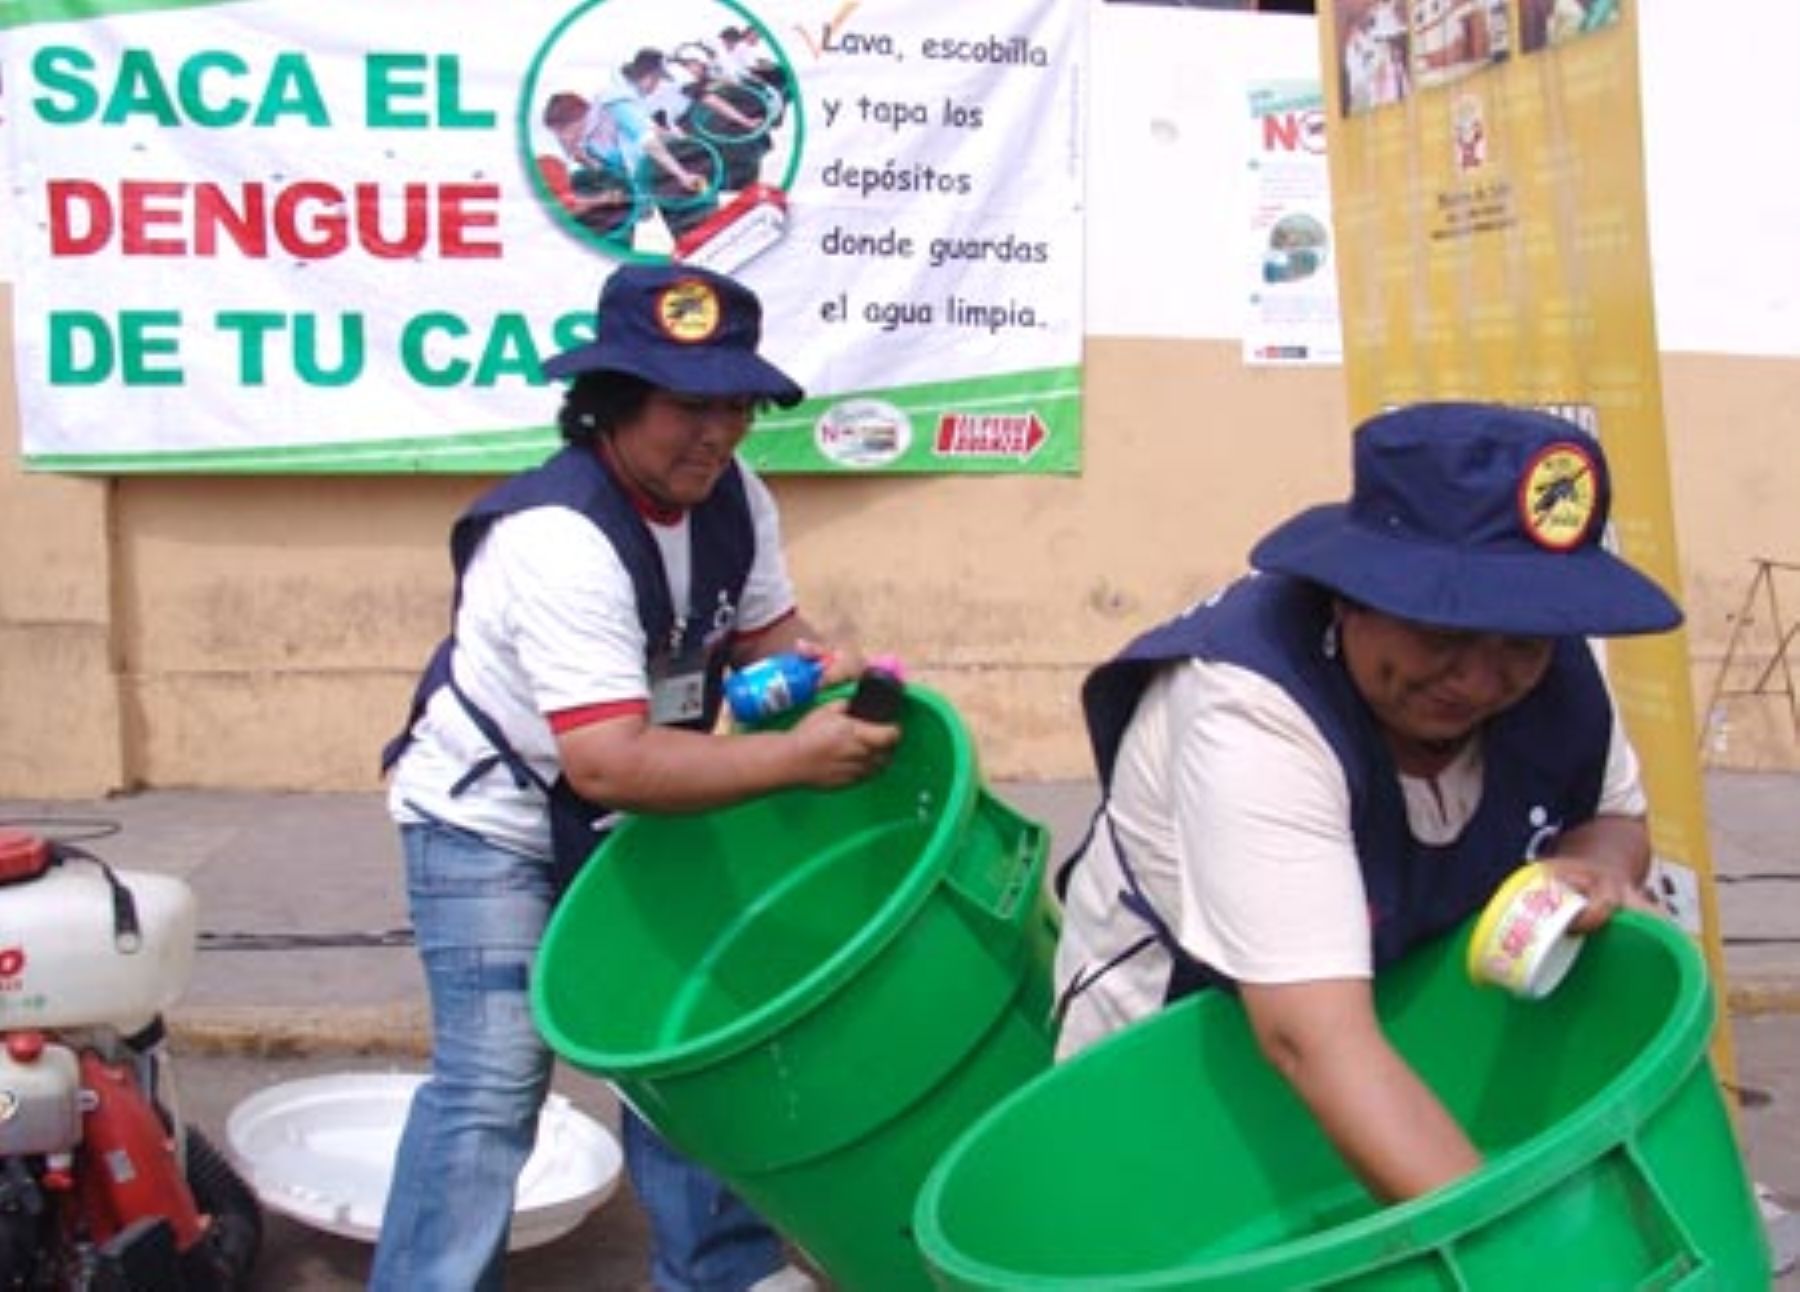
x: 1004, y: 889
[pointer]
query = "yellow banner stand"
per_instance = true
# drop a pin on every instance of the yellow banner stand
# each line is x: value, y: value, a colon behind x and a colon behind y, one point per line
x: 1488, y: 203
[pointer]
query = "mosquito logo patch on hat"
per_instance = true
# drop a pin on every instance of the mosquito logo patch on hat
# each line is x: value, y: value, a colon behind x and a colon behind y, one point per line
x: 1473, y: 516
x: 1557, y: 496
x: 688, y: 311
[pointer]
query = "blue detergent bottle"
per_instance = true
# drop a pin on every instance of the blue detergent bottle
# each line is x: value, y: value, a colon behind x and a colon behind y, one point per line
x: 772, y: 685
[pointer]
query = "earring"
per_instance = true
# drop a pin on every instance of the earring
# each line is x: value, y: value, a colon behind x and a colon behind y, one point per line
x: 1328, y: 644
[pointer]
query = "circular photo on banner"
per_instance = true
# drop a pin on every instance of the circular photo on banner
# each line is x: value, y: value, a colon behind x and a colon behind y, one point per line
x: 1297, y: 248
x: 659, y: 130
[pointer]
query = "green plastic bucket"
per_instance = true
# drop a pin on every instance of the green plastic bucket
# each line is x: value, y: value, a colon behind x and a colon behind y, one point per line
x: 1172, y: 1156
x: 815, y: 992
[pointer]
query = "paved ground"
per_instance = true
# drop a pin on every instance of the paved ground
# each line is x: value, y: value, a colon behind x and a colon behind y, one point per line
x: 304, y: 969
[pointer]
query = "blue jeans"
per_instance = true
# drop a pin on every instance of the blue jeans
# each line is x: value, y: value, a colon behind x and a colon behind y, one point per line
x: 702, y: 1237
x: 478, y: 914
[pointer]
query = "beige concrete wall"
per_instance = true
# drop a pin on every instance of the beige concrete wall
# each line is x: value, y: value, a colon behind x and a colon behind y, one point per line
x: 1734, y: 455
x: 268, y: 624
x: 61, y: 722
x: 264, y: 632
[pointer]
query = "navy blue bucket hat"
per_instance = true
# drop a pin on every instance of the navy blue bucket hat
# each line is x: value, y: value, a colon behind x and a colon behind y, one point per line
x: 1474, y: 516
x: 681, y: 328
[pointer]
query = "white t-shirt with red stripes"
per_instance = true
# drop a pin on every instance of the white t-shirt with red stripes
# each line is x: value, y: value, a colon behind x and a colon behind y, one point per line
x: 549, y: 624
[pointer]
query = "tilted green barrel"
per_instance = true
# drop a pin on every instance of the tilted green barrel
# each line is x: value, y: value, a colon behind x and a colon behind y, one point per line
x: 815, y: 992
x: 1171, y: 1156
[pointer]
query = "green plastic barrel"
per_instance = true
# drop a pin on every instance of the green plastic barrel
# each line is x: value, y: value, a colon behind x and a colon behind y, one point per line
x: 815, y: 992
x: 1171, y: 1156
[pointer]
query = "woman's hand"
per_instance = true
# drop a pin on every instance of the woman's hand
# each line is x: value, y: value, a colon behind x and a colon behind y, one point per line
x: 1606, y: 888
x: 1605, y: 860
x: 838, y: 750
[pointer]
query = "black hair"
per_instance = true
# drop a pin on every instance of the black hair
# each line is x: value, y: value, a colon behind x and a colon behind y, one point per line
x: 597, y: 403
x: 647, y: 60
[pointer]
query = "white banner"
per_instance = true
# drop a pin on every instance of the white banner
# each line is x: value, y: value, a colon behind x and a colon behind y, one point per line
x: 314, y: 235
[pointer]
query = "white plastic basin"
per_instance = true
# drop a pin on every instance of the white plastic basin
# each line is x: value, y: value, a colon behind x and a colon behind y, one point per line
x: 321, y: 1150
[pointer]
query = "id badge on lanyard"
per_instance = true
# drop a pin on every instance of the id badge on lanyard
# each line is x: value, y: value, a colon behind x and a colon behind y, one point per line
x: 678, y: 679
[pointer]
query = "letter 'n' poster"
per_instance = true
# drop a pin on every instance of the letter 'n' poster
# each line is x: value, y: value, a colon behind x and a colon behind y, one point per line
x: 1488, y: 192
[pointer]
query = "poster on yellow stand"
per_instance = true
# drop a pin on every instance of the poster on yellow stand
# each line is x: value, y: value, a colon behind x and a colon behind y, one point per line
x: 1488, y: 200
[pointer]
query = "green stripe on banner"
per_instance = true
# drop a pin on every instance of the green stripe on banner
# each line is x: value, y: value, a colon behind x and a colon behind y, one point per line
x: 1021, y: 423
x: 495, y: 452
x: 27, y: 13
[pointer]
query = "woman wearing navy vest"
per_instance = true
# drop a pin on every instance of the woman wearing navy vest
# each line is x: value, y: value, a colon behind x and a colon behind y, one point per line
x: 1345, y: 752
x: 600, y: 599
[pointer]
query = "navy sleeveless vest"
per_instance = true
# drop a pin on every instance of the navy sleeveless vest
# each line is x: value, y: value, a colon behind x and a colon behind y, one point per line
x: 1544, y: 758
x: 723, y: 541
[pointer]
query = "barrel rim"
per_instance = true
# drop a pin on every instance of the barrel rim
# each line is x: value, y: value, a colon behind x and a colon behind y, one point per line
x: 1506, y: 1182
x: 832, y: 975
